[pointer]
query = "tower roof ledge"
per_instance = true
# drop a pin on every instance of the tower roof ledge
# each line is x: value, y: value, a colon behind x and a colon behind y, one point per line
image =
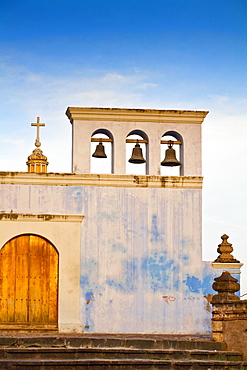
x: 138, y: 115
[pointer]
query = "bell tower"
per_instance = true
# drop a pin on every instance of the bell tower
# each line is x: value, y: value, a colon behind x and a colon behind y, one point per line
x: 157, y: 132
x: 145, y: 223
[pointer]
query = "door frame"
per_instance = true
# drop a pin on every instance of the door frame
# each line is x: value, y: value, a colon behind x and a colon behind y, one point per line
x: 64, y: 233
x: 29, y: 325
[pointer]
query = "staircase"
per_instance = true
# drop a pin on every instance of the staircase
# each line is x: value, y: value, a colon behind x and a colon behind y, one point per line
x: 115, y: 352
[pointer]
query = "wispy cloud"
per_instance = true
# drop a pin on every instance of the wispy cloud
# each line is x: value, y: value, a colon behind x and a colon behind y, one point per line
x: 220, y: 99
x: 28, y: 95
x: 29, y: 90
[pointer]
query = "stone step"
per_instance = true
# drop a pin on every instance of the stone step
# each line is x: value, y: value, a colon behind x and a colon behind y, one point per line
x: 113, y: 353
x: 120, y: 364
x: 147, y: 341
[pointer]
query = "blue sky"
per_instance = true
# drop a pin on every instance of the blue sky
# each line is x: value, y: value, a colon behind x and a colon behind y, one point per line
x: 160, y: 54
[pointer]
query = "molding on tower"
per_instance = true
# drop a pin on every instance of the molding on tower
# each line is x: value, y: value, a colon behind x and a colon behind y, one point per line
x: 133, y: 181
x: 136, y: 115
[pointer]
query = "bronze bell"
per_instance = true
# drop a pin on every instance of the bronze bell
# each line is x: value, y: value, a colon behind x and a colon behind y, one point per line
x: 137, y: 156
x: 100, y: 151
x: 170, y: 157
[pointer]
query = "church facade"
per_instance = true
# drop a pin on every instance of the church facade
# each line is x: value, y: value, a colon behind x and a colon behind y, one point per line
x: 105, y: 248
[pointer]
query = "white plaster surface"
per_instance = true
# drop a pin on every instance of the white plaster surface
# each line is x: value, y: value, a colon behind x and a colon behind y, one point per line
x: 137, y: 255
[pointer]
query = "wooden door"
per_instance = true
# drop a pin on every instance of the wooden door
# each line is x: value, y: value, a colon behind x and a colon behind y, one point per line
x: 28, y: 284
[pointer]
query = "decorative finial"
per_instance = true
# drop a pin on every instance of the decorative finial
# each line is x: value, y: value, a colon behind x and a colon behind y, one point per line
x: 225, y: 249
x: 226, y: 285
x: 37, y: 161
x: 38, y: 125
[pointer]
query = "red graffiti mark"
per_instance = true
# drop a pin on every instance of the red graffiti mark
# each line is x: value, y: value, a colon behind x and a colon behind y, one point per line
x: 169, y: 298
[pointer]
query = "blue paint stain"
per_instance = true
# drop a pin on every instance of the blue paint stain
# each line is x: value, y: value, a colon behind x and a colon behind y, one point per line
x: 89, y: 286
x: 158, y: 269
x: 89, y: 300
x: 89, y: 295
x: 127, y: 283
x: 155, y: 235
x: 119, y: 247
x: 84, y: 281
x: 207, y: 284
x: 193, y: 283
x: 74, y: 198
x: 185, y: 259
x: 176, y: 285
x: 209, y: 273
x: 185, y: 243
x: 89, y: 279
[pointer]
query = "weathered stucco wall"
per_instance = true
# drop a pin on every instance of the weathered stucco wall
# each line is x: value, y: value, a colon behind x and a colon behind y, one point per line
x: 141, y: 252
x: 141, y: 267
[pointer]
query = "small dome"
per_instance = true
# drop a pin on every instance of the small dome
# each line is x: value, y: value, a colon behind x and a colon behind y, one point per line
x: 37, y: 154
x: 37, y: 161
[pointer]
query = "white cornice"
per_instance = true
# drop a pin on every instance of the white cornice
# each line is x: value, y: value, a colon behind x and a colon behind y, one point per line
x: 136, y: 115
x: 72, y: 179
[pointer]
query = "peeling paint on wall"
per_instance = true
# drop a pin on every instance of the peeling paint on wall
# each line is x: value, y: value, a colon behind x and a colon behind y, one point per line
x: 140, y: 254
x: 193, y: 283
x: 126, y: 282
x: 156, y: 236
x: 158, y: 268
x: 89, y: 298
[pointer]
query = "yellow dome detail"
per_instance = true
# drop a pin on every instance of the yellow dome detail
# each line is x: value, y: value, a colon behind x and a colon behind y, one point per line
x: 37, y: 161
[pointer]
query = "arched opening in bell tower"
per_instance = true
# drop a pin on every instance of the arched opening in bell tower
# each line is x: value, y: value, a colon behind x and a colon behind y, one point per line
x: 102, y: 152
x: 171, y: 144
x: 137, y: 153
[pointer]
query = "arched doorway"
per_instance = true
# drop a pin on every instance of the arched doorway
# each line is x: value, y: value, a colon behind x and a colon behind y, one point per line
x: 28, y: 284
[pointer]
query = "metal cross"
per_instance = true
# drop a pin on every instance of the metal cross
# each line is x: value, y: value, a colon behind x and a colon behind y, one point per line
x: 38, y: 124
